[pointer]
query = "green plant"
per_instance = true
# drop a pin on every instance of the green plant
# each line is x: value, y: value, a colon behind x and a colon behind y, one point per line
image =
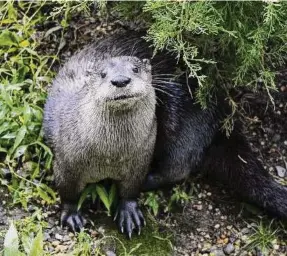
x: 107, y: 197
x: 32, y: 245
x: 262, y: 237
x: 152, y: 201
x: 24, y: 75
x: 222, y: 44
x: 156, y: 200
x: 84, y: 245
x: 178, y: 196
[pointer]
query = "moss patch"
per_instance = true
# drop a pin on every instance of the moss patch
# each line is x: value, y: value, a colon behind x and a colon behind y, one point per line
x: 154, y: 240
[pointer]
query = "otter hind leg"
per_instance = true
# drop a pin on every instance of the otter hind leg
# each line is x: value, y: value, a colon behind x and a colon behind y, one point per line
x: 232, y: 162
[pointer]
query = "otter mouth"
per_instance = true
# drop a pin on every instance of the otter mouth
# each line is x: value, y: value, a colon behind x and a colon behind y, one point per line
x: 124, y: 97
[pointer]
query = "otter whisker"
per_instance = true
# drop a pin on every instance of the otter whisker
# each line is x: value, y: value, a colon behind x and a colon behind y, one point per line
x: 165, y: 76
x: 160, y: 90
x: 158, y: 99
x: 155, y: 65
x: 167, y: 82
x: 133, y: 48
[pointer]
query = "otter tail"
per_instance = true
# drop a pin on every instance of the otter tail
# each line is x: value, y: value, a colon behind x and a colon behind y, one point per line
x: 231, y: 161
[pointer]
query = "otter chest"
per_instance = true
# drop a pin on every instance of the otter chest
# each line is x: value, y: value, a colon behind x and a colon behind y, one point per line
x: 118, y: 148
x: 117, y: 166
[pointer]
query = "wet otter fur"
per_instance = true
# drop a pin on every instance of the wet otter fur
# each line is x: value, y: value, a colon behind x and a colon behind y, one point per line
x: 172, y: 137
x: 100, y: 122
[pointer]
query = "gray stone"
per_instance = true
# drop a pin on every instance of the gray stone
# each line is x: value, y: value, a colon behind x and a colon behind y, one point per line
x: 245, y: 231
x: 216, y: 251
x: 276, y: 138
x: 228, y: 249
x: 281, y: 172
x: 59, y: 237
x: 110, y: 253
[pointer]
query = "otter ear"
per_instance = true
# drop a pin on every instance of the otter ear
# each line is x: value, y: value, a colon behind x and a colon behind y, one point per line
x: 146, y: 63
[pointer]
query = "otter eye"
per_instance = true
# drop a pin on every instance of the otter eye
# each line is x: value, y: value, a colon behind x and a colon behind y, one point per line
x: 135, y: 70
x: 103, y: 74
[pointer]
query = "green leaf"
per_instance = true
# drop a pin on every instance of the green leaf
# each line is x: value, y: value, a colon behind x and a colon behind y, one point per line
x: 11, y: 241
x: 94, y: 195
x: 11, y: 135
x: 32, y: 52
x: 3, y: 150
x: 36, y: 171
x: 26, y: 242
x: 8, y: 38
x: 64, y: 23
x: 20, y: 151
x: 7, y: 98
x: 24, y: 43
x: 47, y: 149
x: 37, y: 245
x: 103, y: 196
x: 135, y: 248
x: 49, y: 194
x: 26, y: 112
x: 19, y: 138
x: 84, y: 194
x: 12, y: 87
x: 43, y: 194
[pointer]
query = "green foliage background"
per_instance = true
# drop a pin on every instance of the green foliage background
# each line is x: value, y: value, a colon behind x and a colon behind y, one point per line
x: 223, y: 45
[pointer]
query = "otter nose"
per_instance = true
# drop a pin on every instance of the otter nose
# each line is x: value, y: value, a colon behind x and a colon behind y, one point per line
x: 120, y: 81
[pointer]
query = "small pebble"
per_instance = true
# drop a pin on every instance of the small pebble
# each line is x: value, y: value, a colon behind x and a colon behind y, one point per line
x: 59, y: 237
x: 281, y: 172
x: 61, y: 248
x: 198, y: 207
x: 46, y: 237
x: 245, y: 231
x: 228, y: 249
x: 218, y: 252
x: 110, y: 253
x: 217, y: 226
x: 276, y: 138
x: 206, y: 247
x: 55, y: 243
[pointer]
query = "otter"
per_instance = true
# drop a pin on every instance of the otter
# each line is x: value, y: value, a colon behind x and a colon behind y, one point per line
x: 100, y: 121
x: 112, y: 114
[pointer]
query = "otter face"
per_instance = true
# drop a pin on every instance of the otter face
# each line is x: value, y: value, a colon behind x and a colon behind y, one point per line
x: 121, y: 81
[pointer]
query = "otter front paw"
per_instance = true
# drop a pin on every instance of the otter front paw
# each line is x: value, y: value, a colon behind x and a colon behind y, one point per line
x: 72, y: 218
x: 129, y: 217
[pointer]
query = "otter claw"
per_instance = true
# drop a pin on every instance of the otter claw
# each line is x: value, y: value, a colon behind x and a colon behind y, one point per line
x: 129, y: 217
x: 72, y: 219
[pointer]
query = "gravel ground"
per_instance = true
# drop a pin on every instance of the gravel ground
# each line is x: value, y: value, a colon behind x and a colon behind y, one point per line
x: 213, y: 223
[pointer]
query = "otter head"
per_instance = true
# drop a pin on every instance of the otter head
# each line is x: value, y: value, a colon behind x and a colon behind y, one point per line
x: 122, y: 82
